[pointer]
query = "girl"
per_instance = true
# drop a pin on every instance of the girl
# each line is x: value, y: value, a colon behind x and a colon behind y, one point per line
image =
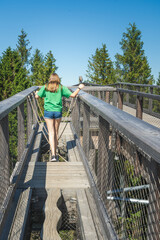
x: 53, y: 92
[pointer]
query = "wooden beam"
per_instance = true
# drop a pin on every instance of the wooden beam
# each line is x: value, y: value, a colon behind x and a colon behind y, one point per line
x: 11, y: 103
x: 21, y: 130
x: 4, y: 158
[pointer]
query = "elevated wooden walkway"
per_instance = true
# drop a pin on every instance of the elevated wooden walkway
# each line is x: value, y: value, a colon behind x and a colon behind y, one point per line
x: 47, y: 185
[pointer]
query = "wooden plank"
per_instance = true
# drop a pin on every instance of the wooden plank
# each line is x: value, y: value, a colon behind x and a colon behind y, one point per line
x: 75, y: 148
x: 52, y: 216
x: 46, y: 175
x: 86, y: 222
x: 37, y: 144
x: 11, y: 103
x: 71, y: 154
x: 95, y: 216
x: 20, y: 218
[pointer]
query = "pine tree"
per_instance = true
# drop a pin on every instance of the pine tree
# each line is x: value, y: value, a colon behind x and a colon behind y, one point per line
x: 13, y: 79
x: 100, y: 67
x: 37, y: 68
x: 133, y: 66
x: 49, y: 65
x: 158, y: 80
x: 22, y: 47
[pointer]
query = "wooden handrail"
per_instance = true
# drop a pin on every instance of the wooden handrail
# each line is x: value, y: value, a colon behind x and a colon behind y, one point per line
x: 145, y: 136
x: 142, y: 94
x: 11, y: 103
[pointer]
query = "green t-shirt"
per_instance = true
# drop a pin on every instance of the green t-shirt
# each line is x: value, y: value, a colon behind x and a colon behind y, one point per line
x: 53, y: 100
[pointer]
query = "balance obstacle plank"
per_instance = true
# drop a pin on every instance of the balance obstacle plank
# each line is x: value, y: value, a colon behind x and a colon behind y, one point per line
x: 52, y: 216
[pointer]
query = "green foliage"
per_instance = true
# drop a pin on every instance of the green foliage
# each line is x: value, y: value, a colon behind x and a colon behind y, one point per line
x: 22, y: 47
x: 49, y: 65
x: 13, y: 76
x: 100, y: 67
x: 41, y: 67
x: 37, y: 68
x: 133, y: 66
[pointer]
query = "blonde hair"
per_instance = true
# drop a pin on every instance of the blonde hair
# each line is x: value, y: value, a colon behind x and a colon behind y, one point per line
x: 53, y: 83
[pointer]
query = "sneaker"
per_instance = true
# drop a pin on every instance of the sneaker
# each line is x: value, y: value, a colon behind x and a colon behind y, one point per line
x: 53, y: 159
x: 57, y: 158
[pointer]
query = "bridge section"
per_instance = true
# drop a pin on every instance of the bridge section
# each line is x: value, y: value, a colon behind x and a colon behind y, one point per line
x: 107, y: 189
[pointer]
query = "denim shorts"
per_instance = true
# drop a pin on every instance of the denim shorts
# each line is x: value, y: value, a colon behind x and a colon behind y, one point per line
x: 52, y: 115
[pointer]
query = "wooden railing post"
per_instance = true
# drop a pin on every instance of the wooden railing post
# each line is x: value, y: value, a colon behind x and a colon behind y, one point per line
x: 120, y: 100
x: 35, y: 110
x: 86, y: 126
x: 108, y: 97
x: 21, y: 130
x: 139, y: 107
x: 150, y: 101
x: 115, y: 96
x: 77, y: 117
x: 29, y: 118
x: 4, y: 157
x: 103, y: 146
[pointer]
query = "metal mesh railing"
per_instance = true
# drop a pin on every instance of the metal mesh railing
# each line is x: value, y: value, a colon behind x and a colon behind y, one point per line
x: 151, y: 107
x: 125, y: 176
x: 16, y: 122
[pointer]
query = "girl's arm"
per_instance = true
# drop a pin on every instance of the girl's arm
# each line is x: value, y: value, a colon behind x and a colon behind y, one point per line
x: 74, y: 94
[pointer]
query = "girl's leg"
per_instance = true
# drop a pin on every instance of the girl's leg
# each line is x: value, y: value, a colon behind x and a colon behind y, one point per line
x: 51, y: 132
x: 56, y: 126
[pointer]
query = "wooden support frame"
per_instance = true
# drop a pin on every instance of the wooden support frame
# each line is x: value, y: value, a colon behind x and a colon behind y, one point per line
x: 103, y: 143
x: 21, y: 130
x: 120, y: 100
x: 107, y: 97
x: 77, y: 117
x: 139, y: 107
x: 86, y: 125
x: 4, y: 158
x: 29, y: 118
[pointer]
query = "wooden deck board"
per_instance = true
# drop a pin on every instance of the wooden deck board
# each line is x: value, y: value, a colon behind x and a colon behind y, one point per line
x: 52, y: 175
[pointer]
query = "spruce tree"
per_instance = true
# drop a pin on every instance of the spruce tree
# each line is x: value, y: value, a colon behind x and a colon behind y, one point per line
x: 132, y: 65
x: 13, y: 79
x: 100, y: 67
x: 49, y: 65
x: 37, y: 68
x: 22, y: 47
x: 158, y: 80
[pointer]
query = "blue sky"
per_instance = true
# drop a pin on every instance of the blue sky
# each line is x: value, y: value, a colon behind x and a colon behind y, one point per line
x: 73, y: 29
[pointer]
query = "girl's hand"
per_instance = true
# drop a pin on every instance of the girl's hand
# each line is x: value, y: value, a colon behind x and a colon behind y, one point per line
x: 81, y: 86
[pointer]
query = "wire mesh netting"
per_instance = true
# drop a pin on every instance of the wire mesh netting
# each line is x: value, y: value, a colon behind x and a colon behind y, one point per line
x: 124, y: 177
